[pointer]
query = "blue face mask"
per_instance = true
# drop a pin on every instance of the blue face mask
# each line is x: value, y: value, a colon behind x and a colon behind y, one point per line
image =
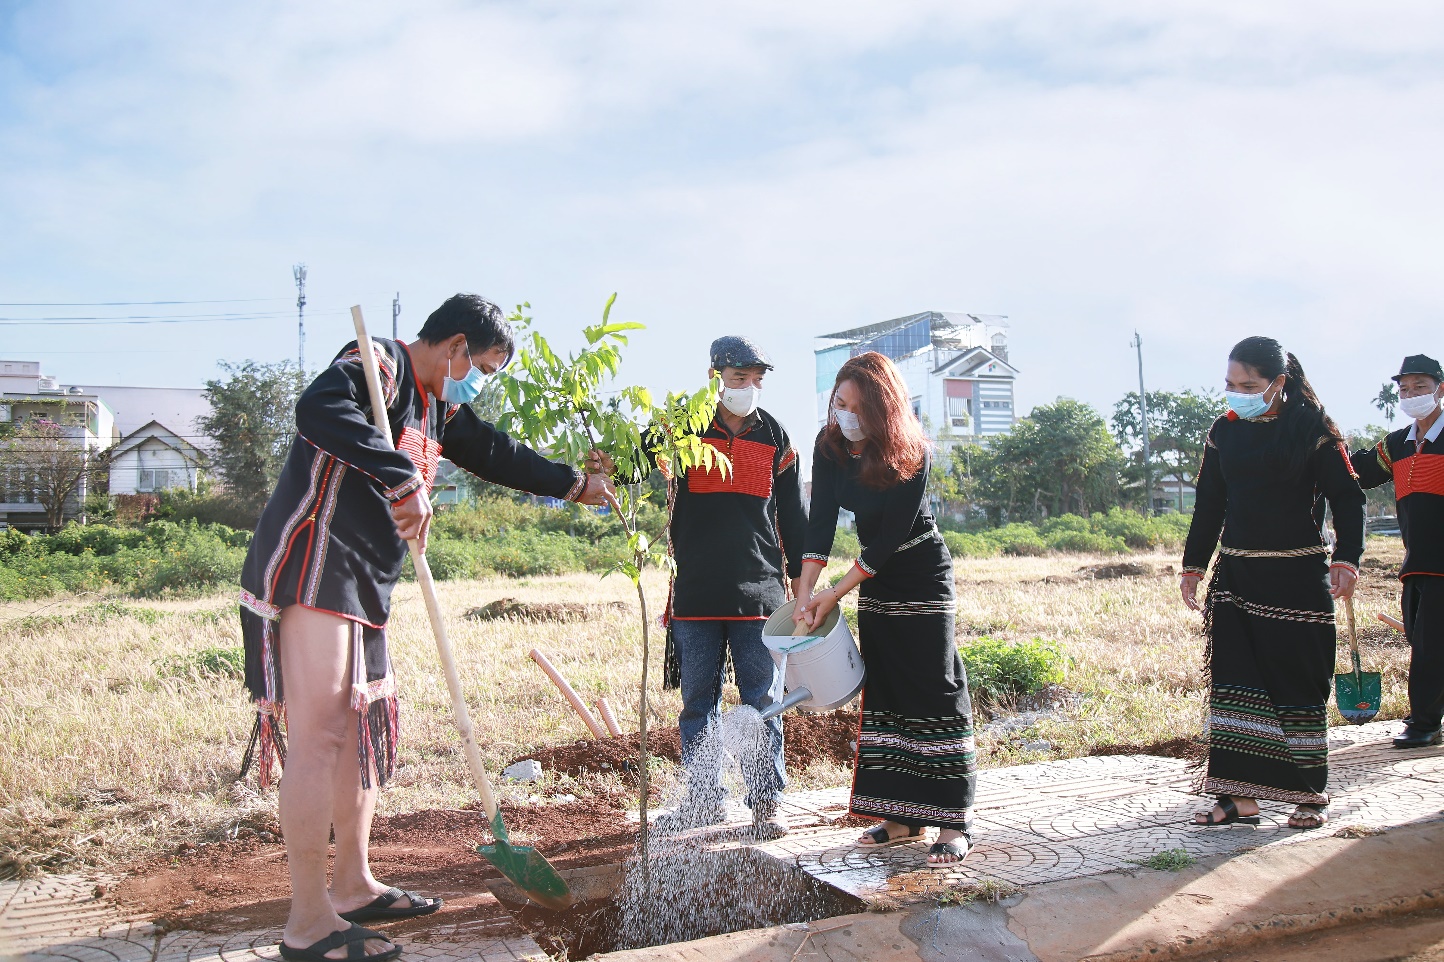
x: 1248, y: 405
x: 465, y: 390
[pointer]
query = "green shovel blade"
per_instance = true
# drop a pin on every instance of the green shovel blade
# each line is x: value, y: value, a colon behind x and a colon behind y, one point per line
x: 527, y: 869
x: 1358, y: 695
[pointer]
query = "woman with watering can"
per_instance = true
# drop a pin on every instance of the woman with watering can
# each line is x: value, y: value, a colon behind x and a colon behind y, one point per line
x: 1269, y: 464
x: 916, y: 758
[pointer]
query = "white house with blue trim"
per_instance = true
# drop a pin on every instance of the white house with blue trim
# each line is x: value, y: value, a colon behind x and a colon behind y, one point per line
x: 956, y: 367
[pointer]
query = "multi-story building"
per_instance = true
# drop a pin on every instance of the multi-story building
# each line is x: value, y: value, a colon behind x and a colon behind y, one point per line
x: 956, y: 367
x: 83, y: 416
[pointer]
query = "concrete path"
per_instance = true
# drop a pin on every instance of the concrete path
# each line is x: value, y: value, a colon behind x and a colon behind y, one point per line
x: 1071, y: 833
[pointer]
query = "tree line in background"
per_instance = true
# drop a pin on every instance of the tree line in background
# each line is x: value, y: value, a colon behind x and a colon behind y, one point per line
x: 1064, y: 458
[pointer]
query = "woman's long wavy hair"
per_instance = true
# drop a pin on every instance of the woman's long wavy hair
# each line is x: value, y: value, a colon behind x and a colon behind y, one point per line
x: 895, y: 445
x: 1305, y: 425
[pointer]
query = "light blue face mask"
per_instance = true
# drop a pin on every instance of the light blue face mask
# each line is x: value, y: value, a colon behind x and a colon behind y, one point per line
x: 465, y: 390
x: 1248, y: 405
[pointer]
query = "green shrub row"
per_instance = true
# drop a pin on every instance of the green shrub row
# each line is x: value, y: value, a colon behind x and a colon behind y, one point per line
x: 158, y: 558
x: 1114, y: 532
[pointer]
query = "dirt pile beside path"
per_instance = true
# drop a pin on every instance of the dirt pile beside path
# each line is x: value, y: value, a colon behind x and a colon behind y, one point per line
x: 831, y: 737
x: 516, y: 610
x: 234, y: 886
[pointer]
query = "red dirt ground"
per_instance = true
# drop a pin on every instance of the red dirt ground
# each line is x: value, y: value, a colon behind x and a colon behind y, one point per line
x: 807, y: 738
x: 243, y: 884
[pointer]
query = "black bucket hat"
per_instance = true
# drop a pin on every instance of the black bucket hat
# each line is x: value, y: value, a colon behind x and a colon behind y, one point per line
x: 737, y: 351
x: 1421, y: 364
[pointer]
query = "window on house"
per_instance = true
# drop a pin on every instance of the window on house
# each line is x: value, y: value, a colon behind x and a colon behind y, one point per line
x: 958, y: 412
x: 918, y: 408
x: 160, y: 479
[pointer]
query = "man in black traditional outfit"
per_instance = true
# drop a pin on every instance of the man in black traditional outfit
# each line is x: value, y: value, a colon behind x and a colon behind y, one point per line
x: 316, y: 595
x: 1413, y: 458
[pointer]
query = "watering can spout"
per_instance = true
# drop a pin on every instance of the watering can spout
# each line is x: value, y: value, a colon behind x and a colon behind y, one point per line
x: 795, y: 697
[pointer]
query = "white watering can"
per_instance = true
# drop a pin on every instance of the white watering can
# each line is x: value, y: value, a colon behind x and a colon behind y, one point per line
x: 820, y: 671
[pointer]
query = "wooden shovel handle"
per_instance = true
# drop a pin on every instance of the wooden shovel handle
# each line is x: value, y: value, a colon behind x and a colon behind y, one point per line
x: 459, y: 714
x: 1349, y: 614
x: 1391, y: 621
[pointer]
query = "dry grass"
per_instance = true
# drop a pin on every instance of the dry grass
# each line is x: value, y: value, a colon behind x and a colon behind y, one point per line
x: 107, y: 753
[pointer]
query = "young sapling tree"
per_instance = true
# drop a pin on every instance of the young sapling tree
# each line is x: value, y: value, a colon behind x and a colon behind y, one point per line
x: 557, y: 402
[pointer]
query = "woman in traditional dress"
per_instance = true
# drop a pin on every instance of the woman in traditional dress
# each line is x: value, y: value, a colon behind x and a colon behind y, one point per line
x: 1269, y: 465
x: 916, y: 758
x: 317, y: 592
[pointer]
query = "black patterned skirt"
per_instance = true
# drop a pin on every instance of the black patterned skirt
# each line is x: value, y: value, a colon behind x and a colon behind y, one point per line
x: 1271, y: 661
x: 916, y: 760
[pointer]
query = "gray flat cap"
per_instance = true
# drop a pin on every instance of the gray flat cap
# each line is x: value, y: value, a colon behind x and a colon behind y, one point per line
x: 736, y: 351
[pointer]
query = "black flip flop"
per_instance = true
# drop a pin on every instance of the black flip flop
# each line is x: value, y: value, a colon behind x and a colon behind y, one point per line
x: 354, y: 939
x: 380, y: 908
x: 1230, y: 815
x: 881, y: 839
x: 958, y: 848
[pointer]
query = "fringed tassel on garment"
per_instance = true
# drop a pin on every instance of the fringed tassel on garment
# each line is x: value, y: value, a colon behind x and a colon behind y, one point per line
x: 377, y: 738
x: 267, y: 745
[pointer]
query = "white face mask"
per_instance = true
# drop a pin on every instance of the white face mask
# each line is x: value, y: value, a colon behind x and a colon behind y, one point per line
x: 741, y: 401
x: 850, y: 424
x: 1418, y: 407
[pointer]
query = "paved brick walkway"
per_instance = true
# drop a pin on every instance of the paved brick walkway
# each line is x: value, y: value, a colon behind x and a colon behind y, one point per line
x: 1035, y: 823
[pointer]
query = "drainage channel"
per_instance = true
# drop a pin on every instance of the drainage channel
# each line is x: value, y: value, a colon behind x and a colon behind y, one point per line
x: 713, y: 893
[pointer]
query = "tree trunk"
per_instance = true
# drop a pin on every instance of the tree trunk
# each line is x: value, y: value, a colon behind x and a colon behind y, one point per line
x: 644, y: 758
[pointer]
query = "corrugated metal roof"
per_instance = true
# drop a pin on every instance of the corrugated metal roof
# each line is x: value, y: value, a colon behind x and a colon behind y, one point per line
x: 942, y: 320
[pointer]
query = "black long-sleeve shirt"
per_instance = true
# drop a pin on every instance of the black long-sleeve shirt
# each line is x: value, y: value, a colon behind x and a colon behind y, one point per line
x: 326, y: 538
x: 1242, y: 494
x: 887, y: 519
x: 1417, y: 470
x: 734, y: 537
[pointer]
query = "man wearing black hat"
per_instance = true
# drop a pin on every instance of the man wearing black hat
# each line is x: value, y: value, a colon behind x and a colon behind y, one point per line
x: 1413, y: 458
x: 737, y: 540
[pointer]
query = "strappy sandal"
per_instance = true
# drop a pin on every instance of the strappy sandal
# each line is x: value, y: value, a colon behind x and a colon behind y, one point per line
x: 958, y: 848
x: 1314, y: 812
x: 380, y: 908
x: 1230, y: 815
x: 881, y: 838
x: 354, y: 939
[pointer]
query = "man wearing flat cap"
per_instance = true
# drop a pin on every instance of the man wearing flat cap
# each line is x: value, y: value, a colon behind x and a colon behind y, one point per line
x: 1413, y: 458
x: 737, y: 540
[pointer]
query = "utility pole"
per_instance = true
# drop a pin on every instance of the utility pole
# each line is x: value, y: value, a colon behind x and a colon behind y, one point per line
x: 395, y: 316
x: 299, y: 272
x: 1143, y: 418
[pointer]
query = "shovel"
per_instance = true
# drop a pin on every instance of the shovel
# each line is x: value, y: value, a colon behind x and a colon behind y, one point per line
x: 523, y: 865
x: 1358, y: 692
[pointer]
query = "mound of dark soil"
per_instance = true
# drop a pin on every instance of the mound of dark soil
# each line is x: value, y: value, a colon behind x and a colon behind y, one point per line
x: 516, y: 610
x: 831, y: 736
x: 1118, y: 569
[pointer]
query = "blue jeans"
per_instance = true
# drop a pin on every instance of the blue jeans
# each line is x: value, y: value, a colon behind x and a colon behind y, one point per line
x: 701, y: 650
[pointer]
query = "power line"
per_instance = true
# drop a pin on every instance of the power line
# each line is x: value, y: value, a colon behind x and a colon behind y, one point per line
x: 234, y: 300
x: 91, y: 320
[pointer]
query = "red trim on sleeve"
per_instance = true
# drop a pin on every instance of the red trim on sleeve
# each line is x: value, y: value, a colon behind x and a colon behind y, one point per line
x: 814, y: 561
x: 858, y: 565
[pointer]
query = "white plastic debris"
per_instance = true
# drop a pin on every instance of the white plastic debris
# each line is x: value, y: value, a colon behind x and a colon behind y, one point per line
x: 526, y: 770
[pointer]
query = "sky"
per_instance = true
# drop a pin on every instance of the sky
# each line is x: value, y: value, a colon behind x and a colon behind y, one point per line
x: 1196, y: 171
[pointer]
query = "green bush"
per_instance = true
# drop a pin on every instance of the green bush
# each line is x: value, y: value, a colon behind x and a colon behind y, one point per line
x: 1063, y: 522
x: 1000, y: 669
x: 1084, y: 542
x: 1018, y: 538
x: 845, y: 544
x: 163, y: 557
x: 206, y: 663
x: 963, y: 545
